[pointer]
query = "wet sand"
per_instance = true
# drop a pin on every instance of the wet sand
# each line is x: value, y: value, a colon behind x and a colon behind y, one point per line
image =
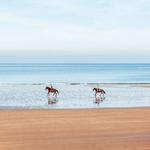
x: 85, y: 129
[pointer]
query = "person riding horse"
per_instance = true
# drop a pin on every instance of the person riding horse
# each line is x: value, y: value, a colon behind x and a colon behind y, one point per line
x: 52, y: 90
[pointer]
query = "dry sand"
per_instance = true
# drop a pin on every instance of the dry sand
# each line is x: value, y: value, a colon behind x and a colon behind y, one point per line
x: 93, y: 129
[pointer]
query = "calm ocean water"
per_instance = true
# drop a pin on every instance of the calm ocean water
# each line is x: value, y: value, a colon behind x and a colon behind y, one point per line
x: 80, y: 73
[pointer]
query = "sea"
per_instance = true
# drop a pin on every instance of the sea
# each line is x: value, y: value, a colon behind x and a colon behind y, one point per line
x: 22, y: 85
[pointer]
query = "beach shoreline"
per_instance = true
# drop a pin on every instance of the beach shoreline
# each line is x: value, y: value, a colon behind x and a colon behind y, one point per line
x: 51, y: 109
x: 90, y: 129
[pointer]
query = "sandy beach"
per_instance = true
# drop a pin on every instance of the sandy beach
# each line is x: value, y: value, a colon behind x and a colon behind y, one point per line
x: 84, y: 129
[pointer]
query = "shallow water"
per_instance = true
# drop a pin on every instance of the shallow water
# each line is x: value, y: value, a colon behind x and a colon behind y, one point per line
x: 22, y: 85
x: 73, y: 96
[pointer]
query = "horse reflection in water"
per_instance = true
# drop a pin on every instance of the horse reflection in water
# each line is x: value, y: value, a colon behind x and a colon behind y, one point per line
x: 52, y: 100
x: 99, y: 99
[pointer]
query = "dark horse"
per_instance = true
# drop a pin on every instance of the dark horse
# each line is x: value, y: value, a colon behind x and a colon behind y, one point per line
x: 52, y: 90
x: 98, y: 90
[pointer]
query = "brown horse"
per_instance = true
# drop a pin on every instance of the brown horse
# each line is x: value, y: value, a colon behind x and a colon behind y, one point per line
x: 98, y: 90
x: 52, y: 90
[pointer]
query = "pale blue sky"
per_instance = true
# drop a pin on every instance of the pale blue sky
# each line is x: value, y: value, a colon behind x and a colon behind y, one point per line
x: 74, y: 30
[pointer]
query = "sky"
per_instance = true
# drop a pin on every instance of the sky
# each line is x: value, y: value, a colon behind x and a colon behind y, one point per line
x: 99, y: 31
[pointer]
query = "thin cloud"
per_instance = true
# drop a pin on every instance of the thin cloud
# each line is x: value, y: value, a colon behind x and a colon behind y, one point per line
x: 75, y: 28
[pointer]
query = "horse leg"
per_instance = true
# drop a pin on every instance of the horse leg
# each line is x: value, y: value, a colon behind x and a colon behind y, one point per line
x: 100, y: 95
x: 95, y: 94
x: 55, y: 94
x: 103, y: 95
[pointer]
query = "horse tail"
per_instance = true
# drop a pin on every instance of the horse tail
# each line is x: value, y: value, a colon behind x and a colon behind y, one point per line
x: 57, y: 91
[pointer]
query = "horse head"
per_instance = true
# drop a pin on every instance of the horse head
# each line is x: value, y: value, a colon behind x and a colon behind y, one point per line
x: 46, y: 88
x: 94, y: 89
